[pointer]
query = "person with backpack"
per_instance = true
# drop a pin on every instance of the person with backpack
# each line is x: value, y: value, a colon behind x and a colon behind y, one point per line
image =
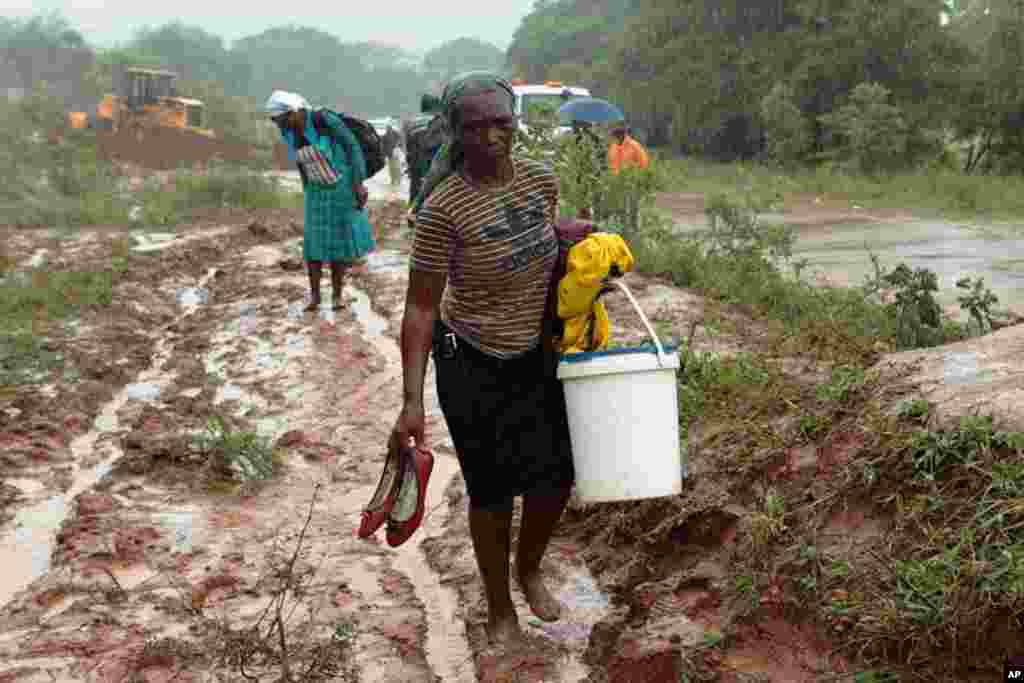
x: 333, y: 167
x: 483, y: 257
x: 421, y: 142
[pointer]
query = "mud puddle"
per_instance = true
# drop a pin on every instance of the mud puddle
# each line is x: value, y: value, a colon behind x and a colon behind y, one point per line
x: 836, y: 242
x: 584, y: 605
x: 952, y: 251
x: 446, y: 648
x: 146, y: 241
x: 26, y: 549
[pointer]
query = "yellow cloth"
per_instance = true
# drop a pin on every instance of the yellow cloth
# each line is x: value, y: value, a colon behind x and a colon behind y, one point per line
x: 587, y: 266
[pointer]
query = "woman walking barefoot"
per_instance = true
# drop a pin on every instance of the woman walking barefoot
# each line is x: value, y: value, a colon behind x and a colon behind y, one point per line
x: 483, y: 255
x: 336, y: 229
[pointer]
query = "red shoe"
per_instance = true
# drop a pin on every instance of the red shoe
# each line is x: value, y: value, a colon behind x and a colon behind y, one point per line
x: 376, y: 511
x: 407, y: 512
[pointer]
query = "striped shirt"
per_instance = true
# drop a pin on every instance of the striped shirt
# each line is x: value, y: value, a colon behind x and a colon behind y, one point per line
x: 498, y: 249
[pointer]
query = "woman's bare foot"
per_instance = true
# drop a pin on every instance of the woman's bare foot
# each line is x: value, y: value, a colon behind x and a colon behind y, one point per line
x: 504, y: 630
x: 339, y: 304
x: 542, y: 603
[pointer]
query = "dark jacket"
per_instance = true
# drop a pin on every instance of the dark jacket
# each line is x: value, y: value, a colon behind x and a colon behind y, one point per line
x: 390, y: 141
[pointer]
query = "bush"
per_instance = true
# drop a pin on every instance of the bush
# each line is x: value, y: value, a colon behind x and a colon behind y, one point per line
x: 788, y: 130
x: 873, y: 133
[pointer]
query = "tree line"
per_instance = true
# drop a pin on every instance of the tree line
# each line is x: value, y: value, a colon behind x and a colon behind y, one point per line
x: 861, y: 82
x: 366, y: 78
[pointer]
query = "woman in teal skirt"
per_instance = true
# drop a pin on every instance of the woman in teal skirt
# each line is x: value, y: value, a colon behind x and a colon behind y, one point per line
x: 337, y: 229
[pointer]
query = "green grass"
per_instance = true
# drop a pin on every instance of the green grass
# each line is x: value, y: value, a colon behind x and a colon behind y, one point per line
x: 30, y: 304
x: 219, y: 187
x: 927, y: 191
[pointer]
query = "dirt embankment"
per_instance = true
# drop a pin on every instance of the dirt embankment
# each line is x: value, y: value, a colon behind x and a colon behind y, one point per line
x: 170, y: 148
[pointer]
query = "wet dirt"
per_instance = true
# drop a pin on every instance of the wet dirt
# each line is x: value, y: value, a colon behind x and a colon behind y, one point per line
x: 982, y: 376
x: 147, y: 546
x: 147, y: 564
x: 157, y: 553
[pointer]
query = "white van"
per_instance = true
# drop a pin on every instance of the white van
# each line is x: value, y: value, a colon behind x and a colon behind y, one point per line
x: 552, y: 93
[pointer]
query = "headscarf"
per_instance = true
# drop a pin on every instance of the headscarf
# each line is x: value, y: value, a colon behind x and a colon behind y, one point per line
x: 281, y: 102
x: 449, y: 157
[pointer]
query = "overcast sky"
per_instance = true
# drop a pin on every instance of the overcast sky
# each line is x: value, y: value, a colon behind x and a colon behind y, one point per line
x: 413, y: 24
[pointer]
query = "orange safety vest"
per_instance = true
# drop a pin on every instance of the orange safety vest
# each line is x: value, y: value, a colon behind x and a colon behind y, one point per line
x: 629, y: 153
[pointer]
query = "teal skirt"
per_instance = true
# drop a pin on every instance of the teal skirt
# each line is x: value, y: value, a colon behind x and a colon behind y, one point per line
x: 335, y: 229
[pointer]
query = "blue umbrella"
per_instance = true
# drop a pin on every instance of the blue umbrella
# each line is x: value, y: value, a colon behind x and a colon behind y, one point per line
x: 590, y: 110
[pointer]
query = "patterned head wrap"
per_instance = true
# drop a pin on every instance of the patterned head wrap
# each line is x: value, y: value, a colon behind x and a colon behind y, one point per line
x: 449, y: 157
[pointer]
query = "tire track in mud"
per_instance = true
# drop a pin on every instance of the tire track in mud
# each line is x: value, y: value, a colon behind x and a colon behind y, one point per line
x: 154, y: 557
x: 27, y: 546
x: 446, y: 646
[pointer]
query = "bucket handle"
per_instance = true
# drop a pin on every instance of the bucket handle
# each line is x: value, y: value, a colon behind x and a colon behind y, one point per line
x: 650, y: 330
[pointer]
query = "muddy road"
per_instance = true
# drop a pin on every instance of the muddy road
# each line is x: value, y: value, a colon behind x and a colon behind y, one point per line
x: 130, y: 553
x: 126, y: 556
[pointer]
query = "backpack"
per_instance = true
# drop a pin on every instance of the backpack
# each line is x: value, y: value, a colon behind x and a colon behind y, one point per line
x: 424, y: 136
x: 569, y: 232
x: 365, y: 134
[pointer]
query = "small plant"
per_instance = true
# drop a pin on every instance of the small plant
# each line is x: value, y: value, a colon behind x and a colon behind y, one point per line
x: 245, y: 456
x: 840, y: 569
x: 933, y: 452
x: 745, y: 587
x: 712, y: 639
x: 120, y: 250
x: 735, y: 231
x: 844, y: 381
x: 917, y: 409
x: 874, y: 677
x: 771, y: 523
x: 978, y: 301
x: 811, y: 426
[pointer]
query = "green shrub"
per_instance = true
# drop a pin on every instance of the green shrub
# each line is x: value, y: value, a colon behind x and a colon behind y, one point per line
x: 872, y: 132
x: 788, y: 130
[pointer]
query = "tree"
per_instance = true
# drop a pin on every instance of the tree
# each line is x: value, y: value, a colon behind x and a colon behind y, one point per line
x: 786, y: 127
x: 195, y: 55
x: 872, y: 133
x: 300, y: 59
x: 697, y: 70
x: 44, y: 31
x: 328, y: 72
x: 989, y: 115
x: 565, y: 32
x: 464, y: 54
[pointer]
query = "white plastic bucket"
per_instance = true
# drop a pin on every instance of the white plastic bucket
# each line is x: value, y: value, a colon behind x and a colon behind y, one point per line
x: 623, y: 412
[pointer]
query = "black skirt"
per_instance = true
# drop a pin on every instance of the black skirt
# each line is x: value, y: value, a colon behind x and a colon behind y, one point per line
x: 507, y: 419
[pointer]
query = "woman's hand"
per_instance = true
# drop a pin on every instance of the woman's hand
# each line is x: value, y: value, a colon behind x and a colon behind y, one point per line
x: 411, y: 423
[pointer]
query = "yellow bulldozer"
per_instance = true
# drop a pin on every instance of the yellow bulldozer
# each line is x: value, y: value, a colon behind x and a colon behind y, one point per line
x: 144, y: 98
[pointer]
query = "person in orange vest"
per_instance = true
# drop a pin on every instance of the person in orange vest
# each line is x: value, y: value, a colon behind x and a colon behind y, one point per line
x: 624, y: 151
